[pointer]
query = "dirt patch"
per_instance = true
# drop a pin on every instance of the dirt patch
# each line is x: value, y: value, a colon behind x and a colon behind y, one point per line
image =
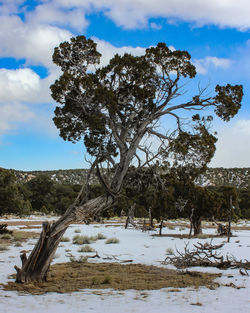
x: 73, y: 276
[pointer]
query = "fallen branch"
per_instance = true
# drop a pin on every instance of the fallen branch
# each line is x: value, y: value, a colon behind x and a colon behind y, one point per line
x: 205, y: 255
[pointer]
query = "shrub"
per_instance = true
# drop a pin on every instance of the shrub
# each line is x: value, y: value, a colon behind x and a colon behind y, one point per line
x: 112, y: 240
x: 65, y: 239
x: 81, y: 240
x: 77, y: 231
x: 6, y: 236
x: 169, y: 251
x: 82, y: 259
x: 3, y: 247
x: 171, y: 227
x: 100, y: 236
x: 86, y: 248
x: 18, y: 244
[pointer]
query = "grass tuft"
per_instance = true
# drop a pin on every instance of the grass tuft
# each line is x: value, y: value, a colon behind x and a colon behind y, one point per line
x: 100, y: 236
x: 6, y: 236
x: 81, y: 240
x: 169, y: 251
x: 112, y: 240
x: 65, y: 239
x: 4, y: 248
x: 86, y: 248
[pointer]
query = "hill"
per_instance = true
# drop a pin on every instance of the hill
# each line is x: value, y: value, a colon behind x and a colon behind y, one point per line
x: 238, y: 177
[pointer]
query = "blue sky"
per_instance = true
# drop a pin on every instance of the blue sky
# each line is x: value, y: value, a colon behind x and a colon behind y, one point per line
x: 216, y: 34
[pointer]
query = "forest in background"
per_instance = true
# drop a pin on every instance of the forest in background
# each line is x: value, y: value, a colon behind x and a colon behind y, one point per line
x: 24, y: 193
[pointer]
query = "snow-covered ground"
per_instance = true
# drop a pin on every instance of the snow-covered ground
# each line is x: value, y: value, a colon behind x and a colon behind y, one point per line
x: 141, y: 247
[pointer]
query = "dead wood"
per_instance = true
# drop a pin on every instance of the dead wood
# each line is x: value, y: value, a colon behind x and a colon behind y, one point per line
x: 205, y: 255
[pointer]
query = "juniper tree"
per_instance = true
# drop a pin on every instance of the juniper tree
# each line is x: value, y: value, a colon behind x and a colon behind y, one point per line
x: 113, y: 109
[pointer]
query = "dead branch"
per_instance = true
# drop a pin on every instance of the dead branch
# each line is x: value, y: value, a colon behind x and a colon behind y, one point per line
x: 205, y: 255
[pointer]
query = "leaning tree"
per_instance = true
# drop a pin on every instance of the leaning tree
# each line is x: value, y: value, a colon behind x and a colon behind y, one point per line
x: 114, y: 109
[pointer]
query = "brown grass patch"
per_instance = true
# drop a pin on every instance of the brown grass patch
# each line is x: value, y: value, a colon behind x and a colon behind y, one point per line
x: 19, y: 236
x: 70, y: 277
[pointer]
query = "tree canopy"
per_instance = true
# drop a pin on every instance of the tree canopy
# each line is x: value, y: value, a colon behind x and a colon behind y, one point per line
x: 115, y: 107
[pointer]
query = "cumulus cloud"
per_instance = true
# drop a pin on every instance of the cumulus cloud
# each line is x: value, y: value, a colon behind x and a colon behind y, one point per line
x: 50, y: 13
x: 232, y: 148
x: 135, y: 13
x: 35, y: 43
x: 203, y: 65
x: 18, y: 85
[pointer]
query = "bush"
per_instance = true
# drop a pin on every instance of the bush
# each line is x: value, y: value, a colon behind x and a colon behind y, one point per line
x: 112, y: 240
x: 81, y: 240
x: 169, y: 251
x: 3, y: 248
x: 100, y: 236
x: 82, y: 259
x: 65, y: 239
x: 86, y: 248
x: 6, y: 236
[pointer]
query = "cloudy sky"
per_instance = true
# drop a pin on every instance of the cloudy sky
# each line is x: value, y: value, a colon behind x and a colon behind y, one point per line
x: 215, y: 32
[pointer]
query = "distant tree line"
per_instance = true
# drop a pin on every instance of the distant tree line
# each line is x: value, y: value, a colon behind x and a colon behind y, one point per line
x: 166, y: 195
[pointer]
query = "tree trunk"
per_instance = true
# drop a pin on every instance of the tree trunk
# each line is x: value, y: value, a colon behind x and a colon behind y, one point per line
x: 229, y: 218
x: 160, y: 227
x: 37, y: 265
x: 196, y: 221
x: 195, y: 224
x: 130, y: 218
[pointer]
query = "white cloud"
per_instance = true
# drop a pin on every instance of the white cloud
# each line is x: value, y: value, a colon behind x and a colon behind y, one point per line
x: 51, y: 14
x: 11, y: 114
x: 155, y: 26
x: 34, y: 42
x: 232, y: 148
x: 108, y: 51
x: 135, y: 13
x: 203, y: 65
x: 18, y: 85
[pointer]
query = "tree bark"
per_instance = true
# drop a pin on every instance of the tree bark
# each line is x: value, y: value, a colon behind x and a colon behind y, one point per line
x: 36, y: 266
x: 196, y: 221
x: 195, y: 224
x: 160, y: 227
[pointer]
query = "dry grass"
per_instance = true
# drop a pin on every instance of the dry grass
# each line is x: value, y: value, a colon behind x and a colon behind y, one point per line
x: 81, y: 240
x: 74, y: 276
x: 17, y: 236
x: 112, y: 240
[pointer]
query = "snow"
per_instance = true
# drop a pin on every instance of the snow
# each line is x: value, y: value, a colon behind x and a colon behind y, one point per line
x: 141, y: 247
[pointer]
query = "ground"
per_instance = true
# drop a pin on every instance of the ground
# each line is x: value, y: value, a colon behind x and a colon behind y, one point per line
x: 228, y: 293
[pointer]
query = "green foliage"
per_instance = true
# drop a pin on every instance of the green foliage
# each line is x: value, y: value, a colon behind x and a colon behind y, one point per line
x: 228, y: 101
x: 124, y: 92
x: 11, y: 200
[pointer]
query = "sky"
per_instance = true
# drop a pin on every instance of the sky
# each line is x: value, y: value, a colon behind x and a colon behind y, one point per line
x: 215, y: 32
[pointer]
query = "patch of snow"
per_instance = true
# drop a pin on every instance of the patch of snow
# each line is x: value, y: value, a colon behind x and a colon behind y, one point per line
x: 141, y: 247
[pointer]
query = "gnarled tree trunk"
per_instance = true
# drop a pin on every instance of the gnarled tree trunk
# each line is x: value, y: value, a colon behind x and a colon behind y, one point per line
x: 36, y: 266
